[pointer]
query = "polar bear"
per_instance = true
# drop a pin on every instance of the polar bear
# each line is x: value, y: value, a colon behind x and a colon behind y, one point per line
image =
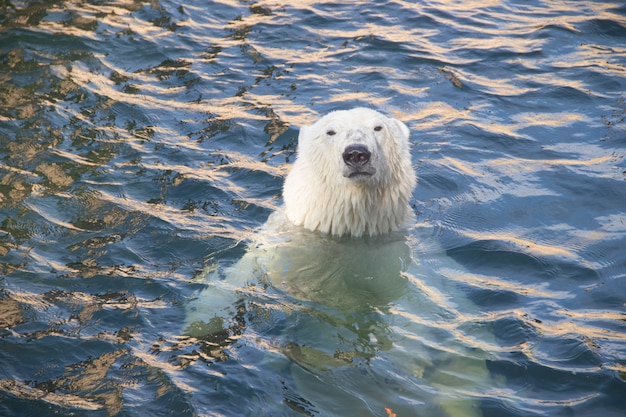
x: 331, y: 282
x: 352, y: 178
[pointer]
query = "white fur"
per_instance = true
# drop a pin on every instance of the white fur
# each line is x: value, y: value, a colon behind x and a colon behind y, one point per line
x: 319, y: 197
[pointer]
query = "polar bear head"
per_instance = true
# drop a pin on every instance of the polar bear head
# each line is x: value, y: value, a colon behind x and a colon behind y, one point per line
x: 352, y: 175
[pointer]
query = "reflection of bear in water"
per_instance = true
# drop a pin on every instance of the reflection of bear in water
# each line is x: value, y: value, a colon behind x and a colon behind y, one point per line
x: 319, y: 281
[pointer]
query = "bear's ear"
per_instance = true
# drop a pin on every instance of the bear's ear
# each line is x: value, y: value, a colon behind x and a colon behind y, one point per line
x: 305, y: 132
x: 403, y: 129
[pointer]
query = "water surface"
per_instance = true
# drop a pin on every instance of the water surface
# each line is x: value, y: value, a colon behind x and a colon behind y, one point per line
x: 142, y: 142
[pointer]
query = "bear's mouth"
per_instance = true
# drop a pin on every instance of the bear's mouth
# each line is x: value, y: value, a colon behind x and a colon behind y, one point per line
x: 360, y: 174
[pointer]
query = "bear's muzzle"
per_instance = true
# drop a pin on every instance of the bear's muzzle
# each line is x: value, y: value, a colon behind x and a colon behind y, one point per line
x: 357, y: 159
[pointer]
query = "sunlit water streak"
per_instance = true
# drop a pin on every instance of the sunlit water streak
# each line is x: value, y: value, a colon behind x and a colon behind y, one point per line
x: 142, y: 142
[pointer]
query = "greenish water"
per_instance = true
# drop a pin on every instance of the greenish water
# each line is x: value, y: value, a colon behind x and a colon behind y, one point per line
x: 142, y: 142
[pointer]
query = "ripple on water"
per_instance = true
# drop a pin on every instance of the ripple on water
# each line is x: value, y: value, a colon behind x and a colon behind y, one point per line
x: 141, y: 143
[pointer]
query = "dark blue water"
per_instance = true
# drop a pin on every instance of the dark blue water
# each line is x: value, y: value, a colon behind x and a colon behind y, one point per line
x: 141, y: 143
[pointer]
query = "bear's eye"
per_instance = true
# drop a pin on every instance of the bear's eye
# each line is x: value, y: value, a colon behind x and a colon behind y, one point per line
x: 330, y: 132
x: 378, y: 128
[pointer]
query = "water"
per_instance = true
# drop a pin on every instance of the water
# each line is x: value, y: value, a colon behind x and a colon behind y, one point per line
x: 143, y: 142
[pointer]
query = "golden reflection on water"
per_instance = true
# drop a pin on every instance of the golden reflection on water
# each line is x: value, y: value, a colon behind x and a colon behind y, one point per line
x: 439, y: 113
x: 510, y: 44
x: 503, y: 284
x: 27, y: 392
x: 525, y: 245
x: 559, y: 119
x: 10, y: 312
x: 461, y: 166
x: 597, y: 315
x: 531, y: 164
x: 44, y: 212
x: 242, y: 161
x: 432, y: 294
x: 355, y: 97
x: 201, y: 225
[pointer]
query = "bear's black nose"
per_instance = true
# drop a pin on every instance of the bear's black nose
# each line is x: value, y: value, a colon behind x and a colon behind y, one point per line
x: 356, y: 155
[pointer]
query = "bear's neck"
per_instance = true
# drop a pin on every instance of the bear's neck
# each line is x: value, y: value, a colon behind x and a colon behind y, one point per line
x: 356, y: 210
